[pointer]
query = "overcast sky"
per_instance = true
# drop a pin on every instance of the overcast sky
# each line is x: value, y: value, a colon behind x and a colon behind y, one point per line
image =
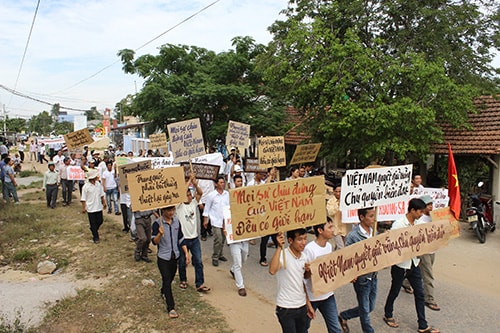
x: 75, y: 39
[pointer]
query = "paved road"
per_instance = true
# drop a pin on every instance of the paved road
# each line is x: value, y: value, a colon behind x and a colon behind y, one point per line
x: 466, y: 288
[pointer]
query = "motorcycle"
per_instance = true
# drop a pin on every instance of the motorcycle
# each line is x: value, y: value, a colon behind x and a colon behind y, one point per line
x: 480, y: 214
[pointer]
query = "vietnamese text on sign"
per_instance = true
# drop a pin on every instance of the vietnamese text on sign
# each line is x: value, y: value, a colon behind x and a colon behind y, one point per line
x: 237, y: 134
x: 186, y: 139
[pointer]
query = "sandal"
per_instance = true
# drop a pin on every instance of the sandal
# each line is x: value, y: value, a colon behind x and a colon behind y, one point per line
x: 203, y: 289
x: 409, y: 290
x: 343, y: 324
x: 173, y: 314
x: 432, y: 306
x: 264, y: 263
x: 429, y: 330
x: 183, y: 285
x: 391, y: 322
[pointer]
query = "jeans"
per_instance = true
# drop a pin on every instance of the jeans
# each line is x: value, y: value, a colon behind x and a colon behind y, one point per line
x: 112, y: 196
x: 67, y: 190
x: 366, y: 294
x: 292, y: 320
x: 51, y: 195
x: 239, y: 252
x: 219, y: 241
x: 193, y: 246
x: 167, y: 269
x: 9, y: 189
x: 328, y: 309
x: 413, y: 275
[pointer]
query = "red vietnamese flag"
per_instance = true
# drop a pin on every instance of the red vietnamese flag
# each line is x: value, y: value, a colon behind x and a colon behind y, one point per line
x: 453, y: 186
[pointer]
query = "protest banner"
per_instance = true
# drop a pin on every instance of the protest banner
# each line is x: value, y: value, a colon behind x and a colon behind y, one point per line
x: 271, y: 151
x: 268, y: 208
x: 157, y: 141
x: 125, y: 169
x: 158, y: 162
x: 78, y: 139
x: 237, y: 134
x: 202, y: 171
x: 121, y: 160
x: 305, y: 153
x: 75, y: 173
x: 213, y: 158
x: 334, y: 270
x: 158, y: 188
x: 445, y: 215
x: 373, y: 187
x: 228, y: 225
x: 393, y: 211
x: 252, y: 165
x: 186, y: 139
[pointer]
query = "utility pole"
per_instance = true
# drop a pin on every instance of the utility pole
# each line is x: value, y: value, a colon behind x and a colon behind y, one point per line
x: 4, y: 121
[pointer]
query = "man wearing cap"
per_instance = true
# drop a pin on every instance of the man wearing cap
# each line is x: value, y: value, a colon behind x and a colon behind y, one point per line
x: 427, y: 260
x: 93, y: 202
x: 50, y: 180
x: 67, y: 184
x: 237, y: 171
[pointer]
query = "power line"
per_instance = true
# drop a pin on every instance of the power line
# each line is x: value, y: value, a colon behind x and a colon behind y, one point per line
x: 140, y: 47
x: 17, y: 93
x: 26, y: 47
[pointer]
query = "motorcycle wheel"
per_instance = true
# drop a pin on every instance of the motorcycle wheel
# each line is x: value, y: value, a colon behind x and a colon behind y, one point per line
x: 480, y: 232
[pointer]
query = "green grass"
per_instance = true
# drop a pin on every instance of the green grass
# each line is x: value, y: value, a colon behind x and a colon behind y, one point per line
x: 117, y: 302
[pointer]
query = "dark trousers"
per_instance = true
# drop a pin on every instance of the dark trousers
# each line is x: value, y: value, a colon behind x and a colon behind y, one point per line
x: 292, y: 320
x: 67, y: 190
x: 21, y: 155
x: 167, y: 268
x: 51, y: 195
x: 414, y: 276
x: 126, y: 216
x: 143, y: 231
x: 263, y: 246
x: 95, y: 221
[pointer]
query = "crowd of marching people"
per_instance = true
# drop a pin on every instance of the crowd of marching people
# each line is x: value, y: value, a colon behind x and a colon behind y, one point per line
x: 177, y: 232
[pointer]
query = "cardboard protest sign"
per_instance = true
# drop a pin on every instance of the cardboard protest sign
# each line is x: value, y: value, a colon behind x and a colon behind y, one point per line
x: 213, y: 158
x: 228, y: 224
x: 157, y: 141
x: 202, y: 171
x: 373, y: 187
x: 125, y: 169
x: 237, y: 134
x: 305, y: 153
x: 393, y: 211
x: 186, y: 139
x: 445, y: 215
x: 158, y: 162
x: 158, y: 188
x: 334, y: 270
x: 75, y: 173
x: 252, y: 165
x: 271, y: 151
x: 78, y: 139
x: 268, y: 208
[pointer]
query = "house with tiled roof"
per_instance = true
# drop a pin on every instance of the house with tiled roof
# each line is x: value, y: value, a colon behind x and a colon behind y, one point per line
x: 483, y: 139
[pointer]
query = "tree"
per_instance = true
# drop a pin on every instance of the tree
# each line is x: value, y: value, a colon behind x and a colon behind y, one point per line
x: 55, y: 111
x: 184, y: 82
x: 41, y: 123
x: 374, y: 79
x: 93, y: 114
x: 63, y: 127
x: 14, y: 124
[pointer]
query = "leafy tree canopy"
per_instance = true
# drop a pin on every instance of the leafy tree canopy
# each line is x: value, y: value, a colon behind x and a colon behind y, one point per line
x: 374, y: 79
x: 184, y: 82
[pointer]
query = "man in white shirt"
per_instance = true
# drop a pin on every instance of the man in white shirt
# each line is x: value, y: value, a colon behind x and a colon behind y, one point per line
x: 93, y: 203
x: 292, y: 304
x: 110, y: 187
x: 325, y: 303
x: 214, y: 204
x: 408, y: 269
x: 189, y: 218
